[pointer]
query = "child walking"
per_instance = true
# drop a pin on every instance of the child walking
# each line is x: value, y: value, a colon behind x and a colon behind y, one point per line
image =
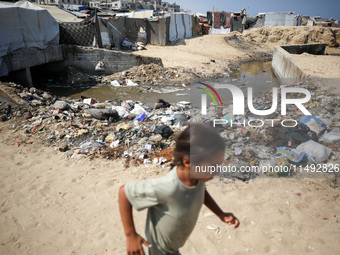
x: 174, y: 200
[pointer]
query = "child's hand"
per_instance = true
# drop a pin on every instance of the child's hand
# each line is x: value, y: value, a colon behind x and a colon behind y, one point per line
x: 230, y: 219
x: 134, y: 244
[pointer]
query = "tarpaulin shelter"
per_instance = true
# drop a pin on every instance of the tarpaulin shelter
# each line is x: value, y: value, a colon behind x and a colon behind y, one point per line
x: 115, y: 27
x: 195, y: 21
x: 301, y: 20
x: 236, y: 24
x: 145, y: 14
x: 74, y: 7
x: 261, y: 18
x: 25, y: 25
x: 180, y: 26
x: 279, y: 19
x: 157, y: 31
x: 123, y: 28
x: 132, y: 27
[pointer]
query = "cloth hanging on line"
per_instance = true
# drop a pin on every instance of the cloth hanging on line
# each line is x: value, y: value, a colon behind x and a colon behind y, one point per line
x: 217, y: 19
x: 227, y: 21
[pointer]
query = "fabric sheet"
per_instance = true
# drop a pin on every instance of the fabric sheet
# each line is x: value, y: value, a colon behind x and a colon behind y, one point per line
x: 77, y: 33
x: 116, y: 31
x: 157, y: 31
x: 217, y: 19
x: 180, y: 26
x: 227, y: 21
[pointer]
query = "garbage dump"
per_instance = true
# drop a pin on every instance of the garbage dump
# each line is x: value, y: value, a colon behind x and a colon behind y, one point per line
x: 145, y: 134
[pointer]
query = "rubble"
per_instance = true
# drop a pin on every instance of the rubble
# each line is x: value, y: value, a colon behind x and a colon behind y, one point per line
x: 147, y: 74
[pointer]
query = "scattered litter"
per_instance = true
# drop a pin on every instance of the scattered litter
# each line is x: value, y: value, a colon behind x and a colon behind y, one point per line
x: 214, y: 227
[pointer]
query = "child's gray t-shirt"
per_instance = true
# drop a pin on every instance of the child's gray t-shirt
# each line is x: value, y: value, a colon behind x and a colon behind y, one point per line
x: 173, y: 210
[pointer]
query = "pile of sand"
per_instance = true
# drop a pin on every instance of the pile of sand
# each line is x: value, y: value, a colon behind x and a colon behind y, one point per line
x: 294, y: 35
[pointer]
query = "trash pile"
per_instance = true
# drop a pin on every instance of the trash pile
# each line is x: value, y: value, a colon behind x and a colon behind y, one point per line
x: 147, y: 74
x: 112, y: 130
x: 280, y: 145
x: 146, y: 134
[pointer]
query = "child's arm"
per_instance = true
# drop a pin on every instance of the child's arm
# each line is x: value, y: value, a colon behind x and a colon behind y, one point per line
x: 225, y: 217
x: 133, y: 240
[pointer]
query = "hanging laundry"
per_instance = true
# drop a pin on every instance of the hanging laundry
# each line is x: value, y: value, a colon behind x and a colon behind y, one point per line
x: 223, y: 18
x: 217, y: 19
x: 227, y: 21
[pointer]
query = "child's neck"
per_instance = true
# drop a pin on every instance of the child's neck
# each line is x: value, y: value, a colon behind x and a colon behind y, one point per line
x: 184, y: 175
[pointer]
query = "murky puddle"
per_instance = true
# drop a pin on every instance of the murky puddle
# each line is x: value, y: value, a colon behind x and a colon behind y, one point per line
x: 257, y: 75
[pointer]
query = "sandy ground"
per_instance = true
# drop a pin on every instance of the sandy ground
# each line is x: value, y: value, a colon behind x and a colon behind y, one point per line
x: 324, y: 66
x: 196, y: 54
x: 324, y: 70
x: 49, y: 205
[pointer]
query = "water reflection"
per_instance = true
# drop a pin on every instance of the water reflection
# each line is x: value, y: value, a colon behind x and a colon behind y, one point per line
x: 254, y: 74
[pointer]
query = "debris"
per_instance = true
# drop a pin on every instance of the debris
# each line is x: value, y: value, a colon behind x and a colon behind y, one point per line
x: 115, y: 83
x: 314, y: 123
x: 214, y: 227
x: 100, y: 66
x: 332, y: 136
x: 318, y: 151
x: 165, y: 131
x: 61, y: 105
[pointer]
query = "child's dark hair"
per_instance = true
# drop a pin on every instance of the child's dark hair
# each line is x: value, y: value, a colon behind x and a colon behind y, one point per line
x: 200, y: 142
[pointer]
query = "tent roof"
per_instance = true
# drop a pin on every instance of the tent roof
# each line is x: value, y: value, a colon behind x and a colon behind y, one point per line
x: 60, y: 14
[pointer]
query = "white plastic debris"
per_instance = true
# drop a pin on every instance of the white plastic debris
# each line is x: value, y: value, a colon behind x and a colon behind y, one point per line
x: 100, y: 66
x: 138, y: 110
x: 184, y: 104
x: 130, y: 83
x: 115, y: 83
x: 214, y: 227
x: 318, y: 151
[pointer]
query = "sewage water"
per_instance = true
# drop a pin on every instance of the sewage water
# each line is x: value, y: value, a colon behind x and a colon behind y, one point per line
x: 257, y: 74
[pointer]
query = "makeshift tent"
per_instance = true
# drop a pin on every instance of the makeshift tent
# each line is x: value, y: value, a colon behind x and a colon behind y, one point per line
x: 25, y: 25
x: 279, y: 19
x: 194, y: 21
x: 157, y: 31
x: 301, y: 20
x: 132, y: 27
x: 260, y: 21
x: 142, y: 14
x: 74, y: 7
x: 236, y: 23
x: 180, y: 26
x: 116, y: 31
x: 104, y: 33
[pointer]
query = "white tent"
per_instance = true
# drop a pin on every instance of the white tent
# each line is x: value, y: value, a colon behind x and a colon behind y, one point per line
x: 279, y: 19
x: 25, y: 25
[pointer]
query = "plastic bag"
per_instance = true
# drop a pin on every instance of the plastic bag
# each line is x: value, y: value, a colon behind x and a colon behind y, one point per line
x: 318, y: 151
x: 332, y: 137
x: 138, y: 110
x: 315, y: 124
